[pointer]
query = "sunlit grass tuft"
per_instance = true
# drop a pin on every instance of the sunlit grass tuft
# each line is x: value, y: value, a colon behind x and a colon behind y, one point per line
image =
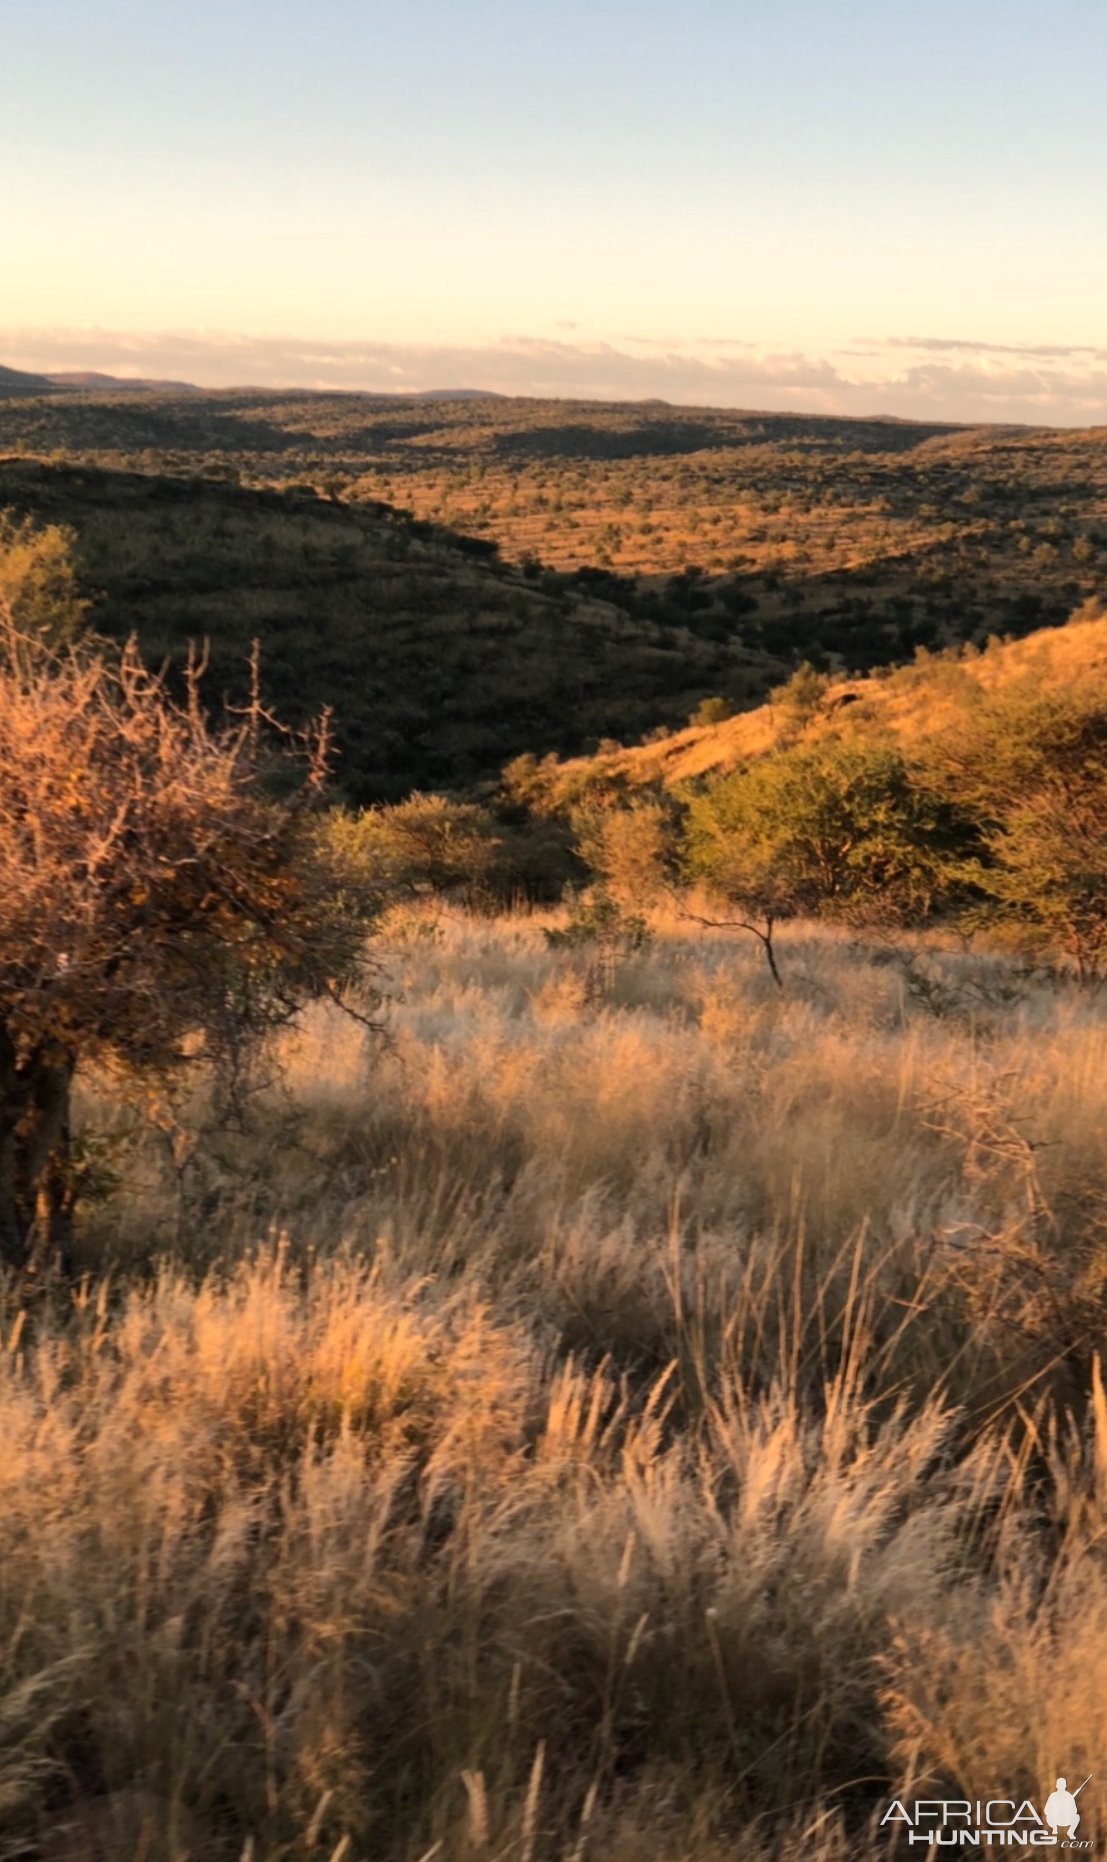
x: 657, y: 1423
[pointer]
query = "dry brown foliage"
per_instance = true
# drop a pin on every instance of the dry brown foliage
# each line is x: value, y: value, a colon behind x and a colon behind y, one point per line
x: 154, y: 899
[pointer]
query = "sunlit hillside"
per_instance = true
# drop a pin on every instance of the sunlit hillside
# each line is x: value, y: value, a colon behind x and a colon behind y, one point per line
x: 772, y: 537
x: 909, y: 703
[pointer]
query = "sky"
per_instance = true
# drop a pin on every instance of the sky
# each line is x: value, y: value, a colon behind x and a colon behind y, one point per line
x: 856, y: 206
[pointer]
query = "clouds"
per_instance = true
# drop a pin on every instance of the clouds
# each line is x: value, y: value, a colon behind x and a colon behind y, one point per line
x: 932, y: 378
x: 1047, y: 384
x: 632, y: 369
x: 1044, y: 351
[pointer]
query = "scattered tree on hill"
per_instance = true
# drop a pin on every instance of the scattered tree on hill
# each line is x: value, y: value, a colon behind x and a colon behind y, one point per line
x: 799, y: 700
x: 710, y: 711
x: 838, y: 828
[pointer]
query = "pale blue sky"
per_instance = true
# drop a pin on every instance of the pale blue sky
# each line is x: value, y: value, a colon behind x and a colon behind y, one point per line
x: 715, y: 199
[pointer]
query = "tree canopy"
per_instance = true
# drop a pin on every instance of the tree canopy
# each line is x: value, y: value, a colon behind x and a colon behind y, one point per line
x: 1032, y: 767
x: 837, y: 827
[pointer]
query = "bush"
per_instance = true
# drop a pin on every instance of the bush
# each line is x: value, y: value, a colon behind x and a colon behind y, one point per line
x: 595, y: 920
x: 627, y: 849
x: 426, y: 844
x: 38, y: 581
x: 1033, y: 768
x: 799, y: 701
x: 710, y: 711
x: 156, y: 903
x: 841, y: 828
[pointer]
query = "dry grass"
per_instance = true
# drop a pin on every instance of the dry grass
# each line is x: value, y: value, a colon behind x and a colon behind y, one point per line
x: 638, y: 1418
x: 912, y: 702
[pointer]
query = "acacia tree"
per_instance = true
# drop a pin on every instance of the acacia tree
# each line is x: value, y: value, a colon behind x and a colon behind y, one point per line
x: 156, y: 902
x: 841, y: 828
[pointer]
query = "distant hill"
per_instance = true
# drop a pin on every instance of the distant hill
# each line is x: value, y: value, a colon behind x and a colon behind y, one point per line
x: 18, y: 381
x: 439, y: 662
x: 97, y: 381
x: 456, y: 394
x: 93, y: 380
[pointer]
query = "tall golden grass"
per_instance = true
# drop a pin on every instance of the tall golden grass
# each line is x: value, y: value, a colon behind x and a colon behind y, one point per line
x: 638, y: 1416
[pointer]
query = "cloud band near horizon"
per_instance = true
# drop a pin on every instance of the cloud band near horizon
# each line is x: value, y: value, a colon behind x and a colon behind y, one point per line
x: 924, y: 378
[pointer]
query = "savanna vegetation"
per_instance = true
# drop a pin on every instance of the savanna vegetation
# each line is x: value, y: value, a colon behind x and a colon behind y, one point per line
x: 636, y: 1413
x: 545, y: 574
x: 491, y: 1368
x: 439, y: 663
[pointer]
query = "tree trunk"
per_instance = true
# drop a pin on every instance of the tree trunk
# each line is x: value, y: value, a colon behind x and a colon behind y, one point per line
x: 36, y: 1190
x: 766, y: 937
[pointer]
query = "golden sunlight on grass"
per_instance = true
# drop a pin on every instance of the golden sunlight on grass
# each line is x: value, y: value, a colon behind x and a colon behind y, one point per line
x: 654, y: 1419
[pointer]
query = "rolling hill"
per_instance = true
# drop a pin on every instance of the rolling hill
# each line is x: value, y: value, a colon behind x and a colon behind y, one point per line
x: 905, y: 702
x: 848, y: 542
x: 440, y: 663
x: 19, y: 382
x: 467, y: 577
x: 95, y: 382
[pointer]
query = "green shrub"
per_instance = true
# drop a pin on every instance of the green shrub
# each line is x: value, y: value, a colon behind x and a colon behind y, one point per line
x: 1033, y: 768
x: 596, y: 920
x: 628, y: 849
x: 426, y: 844
x: 839, y: 828
x: 38, y: 580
